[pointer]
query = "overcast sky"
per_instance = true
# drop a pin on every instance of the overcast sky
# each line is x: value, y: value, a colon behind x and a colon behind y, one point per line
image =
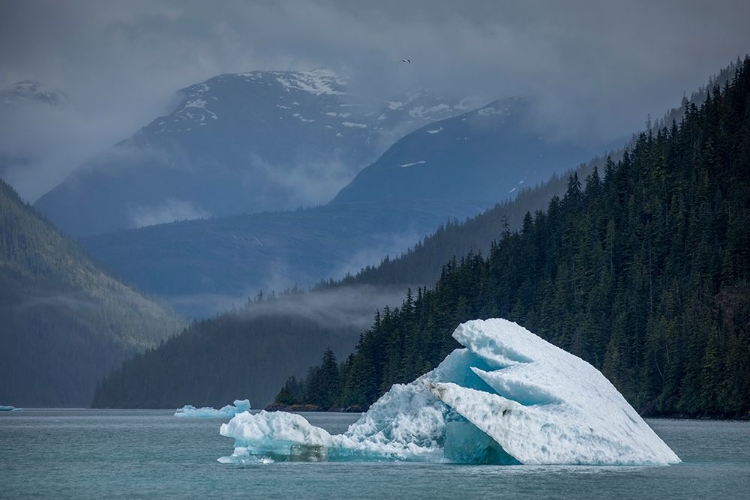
x: 597, y: 68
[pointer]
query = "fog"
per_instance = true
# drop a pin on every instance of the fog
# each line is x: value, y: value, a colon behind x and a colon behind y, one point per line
x: 347, y: 307
x: 596, y: 69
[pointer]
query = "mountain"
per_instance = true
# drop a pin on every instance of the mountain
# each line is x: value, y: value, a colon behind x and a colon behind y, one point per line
x: 238, y: 143
x: 201, y: 267
x: 64, y: 322
x: 485, y: 155
x: 582, y: 274
x: 424, y: 262
x: 645, y: 274
x: 186, y: 262
x: 333, y: 315
x: 270, y: 337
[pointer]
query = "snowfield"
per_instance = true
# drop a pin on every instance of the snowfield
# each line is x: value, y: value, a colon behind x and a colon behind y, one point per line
x: 508, y: 397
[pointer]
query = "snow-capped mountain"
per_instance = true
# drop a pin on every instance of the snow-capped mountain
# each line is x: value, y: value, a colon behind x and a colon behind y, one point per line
x: 448, y: 169
x: 239, y: 143
x: 485, y: 155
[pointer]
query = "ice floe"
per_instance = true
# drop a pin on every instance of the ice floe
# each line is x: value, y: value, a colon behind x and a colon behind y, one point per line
x: 228, y: 411
x: 508, y: 397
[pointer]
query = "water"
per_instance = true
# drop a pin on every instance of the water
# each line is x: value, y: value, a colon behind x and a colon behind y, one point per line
x: 95, y: 454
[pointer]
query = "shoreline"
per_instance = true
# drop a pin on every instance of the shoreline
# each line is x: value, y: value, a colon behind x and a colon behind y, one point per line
x: 358, y: 409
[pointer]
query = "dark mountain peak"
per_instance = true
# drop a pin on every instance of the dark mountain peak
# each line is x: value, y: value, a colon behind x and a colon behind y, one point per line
x: 482, y: 155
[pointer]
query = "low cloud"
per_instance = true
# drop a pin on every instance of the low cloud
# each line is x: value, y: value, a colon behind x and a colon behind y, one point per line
x: 351, y: 307
x: 170, y: 210
x: 392, y: 245
x: 307, y: 183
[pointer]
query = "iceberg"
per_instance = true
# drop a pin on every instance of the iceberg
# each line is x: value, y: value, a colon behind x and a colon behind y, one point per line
x: 228, y: 411
x: 507, y: 397
x: 9, y: 408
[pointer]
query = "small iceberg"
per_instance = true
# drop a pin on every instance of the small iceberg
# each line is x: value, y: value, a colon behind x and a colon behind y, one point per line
x: 9, y: 408
x: 508, y: 397
x: 229, y: 411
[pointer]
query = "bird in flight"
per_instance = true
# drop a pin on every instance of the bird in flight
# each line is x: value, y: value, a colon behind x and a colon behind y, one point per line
x: 405, y: 61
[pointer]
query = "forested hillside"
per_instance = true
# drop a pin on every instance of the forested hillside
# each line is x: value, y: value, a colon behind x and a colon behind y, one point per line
x: 189, y: 364
x: 64, y: 322
x: 247, y: 352
x: 645, y: 273
x: 423, y: 262
x: 187, y: 263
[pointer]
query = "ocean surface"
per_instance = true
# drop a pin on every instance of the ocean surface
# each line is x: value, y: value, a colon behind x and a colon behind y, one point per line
x: 150, y: 453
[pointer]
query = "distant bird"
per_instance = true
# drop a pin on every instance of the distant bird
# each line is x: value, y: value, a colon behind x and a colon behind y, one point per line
x: 405, y: 61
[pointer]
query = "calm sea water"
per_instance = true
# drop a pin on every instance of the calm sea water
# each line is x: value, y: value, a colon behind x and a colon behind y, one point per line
x: 96, y: 454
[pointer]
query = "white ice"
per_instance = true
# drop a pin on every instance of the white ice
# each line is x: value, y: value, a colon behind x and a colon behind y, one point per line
x: 407, y: 165
x: 228, y: 411
x: 509, y: 397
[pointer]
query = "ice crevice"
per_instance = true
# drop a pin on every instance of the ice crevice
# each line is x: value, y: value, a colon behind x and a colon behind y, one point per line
x: 507, y: 397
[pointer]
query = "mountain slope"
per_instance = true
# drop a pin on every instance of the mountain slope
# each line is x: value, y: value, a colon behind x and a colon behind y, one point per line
x: 424, y: 262
x: 238, y: 143
x: 462, y: 293
x: 269, y: 338
x: 484, y: 155
x: 193, y: 264
x: 645, y: 274
x: 236, y: 256
x: 63, y: 321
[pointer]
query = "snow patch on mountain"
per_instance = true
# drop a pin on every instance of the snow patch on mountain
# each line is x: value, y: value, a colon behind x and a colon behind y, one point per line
x: 317, y: 82
x: 422, y: 112
x: 405, y: 165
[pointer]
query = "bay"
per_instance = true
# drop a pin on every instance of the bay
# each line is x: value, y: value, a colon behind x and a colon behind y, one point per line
x: 148, y: 453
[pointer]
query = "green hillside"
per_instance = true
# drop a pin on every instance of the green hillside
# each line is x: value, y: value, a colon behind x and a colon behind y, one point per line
x: 645, y: 273
x: 64, y: 322
x: 247, y: 352
x: 185, y: 363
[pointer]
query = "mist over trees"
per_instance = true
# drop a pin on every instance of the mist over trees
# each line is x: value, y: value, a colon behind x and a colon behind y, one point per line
x: 247, y: 351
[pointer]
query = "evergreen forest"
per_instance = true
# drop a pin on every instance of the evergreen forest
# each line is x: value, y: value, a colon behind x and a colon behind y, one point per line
x: 642, y: 269
x: 64, y: 321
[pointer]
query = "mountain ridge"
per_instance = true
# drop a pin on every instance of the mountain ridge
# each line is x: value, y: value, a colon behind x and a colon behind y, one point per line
x: 237, y: 143
x: 65, y: 322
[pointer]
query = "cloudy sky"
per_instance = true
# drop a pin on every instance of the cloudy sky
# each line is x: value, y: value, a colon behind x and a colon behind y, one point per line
x: 597, y: 68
